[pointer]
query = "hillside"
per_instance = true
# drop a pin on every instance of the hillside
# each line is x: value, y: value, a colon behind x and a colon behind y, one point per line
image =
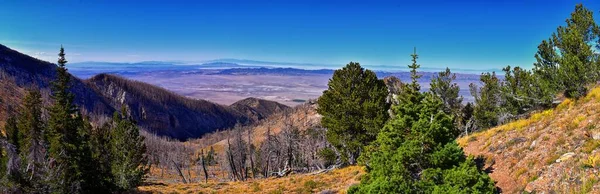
x: 19, y: 72
x: 303, y: 117
x: 164, y: 112
x: 258, y: 109
x: 156, y: 109
x: 554, y: 151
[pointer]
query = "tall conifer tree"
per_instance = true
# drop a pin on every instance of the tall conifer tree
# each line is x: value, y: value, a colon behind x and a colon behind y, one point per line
x: 63, y: 126
x: 33, y: 153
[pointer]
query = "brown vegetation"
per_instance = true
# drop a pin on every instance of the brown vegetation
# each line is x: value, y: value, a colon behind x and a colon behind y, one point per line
x: 551, y: 151
x: 336, y: 181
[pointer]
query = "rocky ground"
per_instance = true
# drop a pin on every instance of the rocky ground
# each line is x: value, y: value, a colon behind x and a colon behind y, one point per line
x: 554, y: 151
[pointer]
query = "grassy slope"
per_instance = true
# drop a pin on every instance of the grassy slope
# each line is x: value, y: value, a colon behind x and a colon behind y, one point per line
x: 551, y: 150
x: 338, y: 180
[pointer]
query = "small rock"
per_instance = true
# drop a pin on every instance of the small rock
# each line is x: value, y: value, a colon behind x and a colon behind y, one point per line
x: 529, y: 188
x: 565, y: 157
x: 532, y: 145
x: 596, y: 136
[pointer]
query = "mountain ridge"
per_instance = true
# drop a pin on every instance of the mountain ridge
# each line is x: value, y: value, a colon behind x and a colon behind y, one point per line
x: 102, y: 94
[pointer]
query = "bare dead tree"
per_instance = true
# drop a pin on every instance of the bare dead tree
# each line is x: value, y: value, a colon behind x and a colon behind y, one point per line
x: 12, y: 166
x: 251, y: 151
x: 168, y: 154
x: 267, y: 152
x: 204, y: 167
x: 179, y: 171
x: 231, y: 162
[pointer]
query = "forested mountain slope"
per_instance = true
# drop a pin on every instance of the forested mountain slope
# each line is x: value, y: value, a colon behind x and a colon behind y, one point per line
x: 19, y: 72
x: 155, y: 109
x: 164, y: 112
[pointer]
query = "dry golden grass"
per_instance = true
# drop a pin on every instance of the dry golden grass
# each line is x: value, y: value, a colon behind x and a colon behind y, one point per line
x: 530, y: 163
x: 338, y: 180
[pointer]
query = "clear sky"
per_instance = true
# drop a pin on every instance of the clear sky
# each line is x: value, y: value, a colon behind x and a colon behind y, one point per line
x: 478, y: 34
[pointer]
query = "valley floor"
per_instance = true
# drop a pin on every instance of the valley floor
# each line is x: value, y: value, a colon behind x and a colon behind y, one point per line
x: 336, y: 181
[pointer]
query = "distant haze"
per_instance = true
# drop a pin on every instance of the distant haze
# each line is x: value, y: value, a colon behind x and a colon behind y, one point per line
x: 227, y: 81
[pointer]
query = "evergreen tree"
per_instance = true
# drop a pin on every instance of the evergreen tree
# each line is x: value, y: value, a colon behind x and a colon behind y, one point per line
x: 13, y: 180
x: 521, y: 93
x: 34, y: 147
x: 545, y: 71
x: 102, y: 156
x: 354, y: 109
x: 442, y: 86
x: 466, y: 121
x: 416, y: 152
x: 13, y: 135
x: 92, y: 177
x: 414, y: 75
x: 3, y: 162
x: 64, y: 127
x: 568, y: 55
x: 129, y: 166
x: 487, y: 101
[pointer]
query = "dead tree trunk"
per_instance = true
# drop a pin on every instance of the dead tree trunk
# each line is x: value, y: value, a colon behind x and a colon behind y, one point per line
x: 179, y: 171
x: 266, y: 170
x: 231, y: 161
x: 251, y: 152
x: 204, y: 168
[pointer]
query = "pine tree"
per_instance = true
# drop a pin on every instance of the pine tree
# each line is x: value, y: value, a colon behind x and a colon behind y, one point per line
x: 546, y: 71
x: 520, y: 92
x: 487, y: 101
x: 414, y: 75
x: 64, y: 127
x: 13, y: 135
x: 3, y: 161
x: 354, y: 109
x: 102, y: 156
x: 34, y: 146
x: 93, y: 179
x: 12, y: 180
x: 129, y: 166
x: 567, y: 62
x: 466, y: 122
x: 416, y: 153
x: 442, y: 86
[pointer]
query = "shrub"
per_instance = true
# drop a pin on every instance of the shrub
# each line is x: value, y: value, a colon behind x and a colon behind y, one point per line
x: 328, y: 156
x: 593, y: 161
x: 590, y: 145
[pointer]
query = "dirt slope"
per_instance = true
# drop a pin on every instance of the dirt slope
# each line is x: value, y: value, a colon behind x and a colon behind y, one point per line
x: 551, y: 151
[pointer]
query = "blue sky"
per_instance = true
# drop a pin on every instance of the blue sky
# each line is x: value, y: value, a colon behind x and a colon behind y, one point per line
x: 465, y: 34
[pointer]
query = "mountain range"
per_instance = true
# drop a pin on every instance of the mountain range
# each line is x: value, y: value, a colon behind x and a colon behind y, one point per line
x: 156, y: 109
